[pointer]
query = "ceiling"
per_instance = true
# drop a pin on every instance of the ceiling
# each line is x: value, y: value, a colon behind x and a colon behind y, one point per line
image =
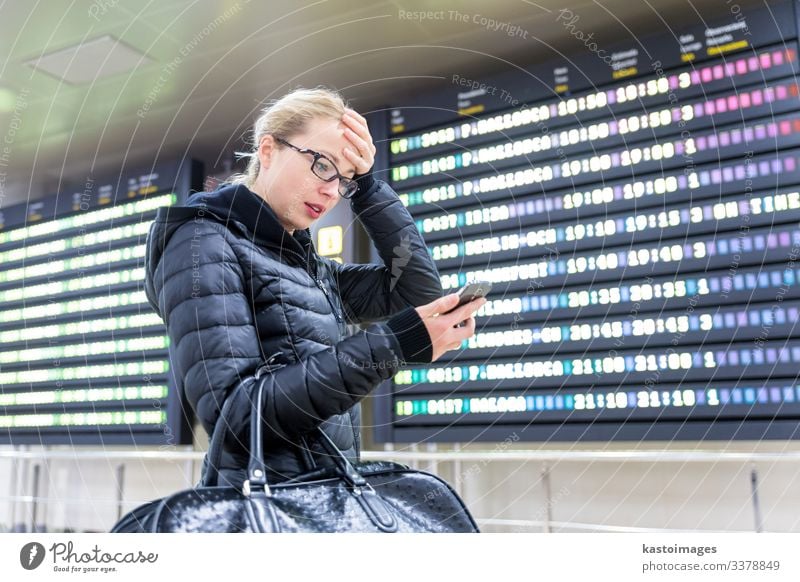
x: 203, y: 68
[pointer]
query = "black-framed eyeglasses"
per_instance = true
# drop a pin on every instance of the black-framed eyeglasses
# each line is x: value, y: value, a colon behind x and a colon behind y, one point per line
x: 324, y: 169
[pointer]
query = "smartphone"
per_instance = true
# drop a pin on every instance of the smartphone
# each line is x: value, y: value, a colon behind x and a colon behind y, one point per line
x: 471, y: 292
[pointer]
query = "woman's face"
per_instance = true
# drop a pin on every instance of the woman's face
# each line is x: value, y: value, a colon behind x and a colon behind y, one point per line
x: 286, y: 181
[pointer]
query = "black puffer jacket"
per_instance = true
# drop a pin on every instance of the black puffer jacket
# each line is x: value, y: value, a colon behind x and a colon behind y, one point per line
x: 233, y: 288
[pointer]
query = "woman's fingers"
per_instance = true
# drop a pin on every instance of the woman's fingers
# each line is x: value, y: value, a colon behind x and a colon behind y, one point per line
x: 465, y: 311
x: 359, y: 142
x: 443, y: 327
x: 357, y: 127
x: 440, y: 305
x: 469, y: 326
x: 451, y: 336
x: 357, y: 133
x: 362, y: 161
x: 356, y: 116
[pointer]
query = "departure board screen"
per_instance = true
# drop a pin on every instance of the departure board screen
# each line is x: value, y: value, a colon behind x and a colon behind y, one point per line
x: 640, y: 229
x: 83, y: 357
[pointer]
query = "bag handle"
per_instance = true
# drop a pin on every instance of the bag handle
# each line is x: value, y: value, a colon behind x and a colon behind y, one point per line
x: 211, y: 463
x: 343, y: 464
x: 256, y: 467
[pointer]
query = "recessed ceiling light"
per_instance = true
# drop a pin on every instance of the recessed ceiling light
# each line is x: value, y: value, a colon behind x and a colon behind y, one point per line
x: 7, y: 100
x: 89, y: 61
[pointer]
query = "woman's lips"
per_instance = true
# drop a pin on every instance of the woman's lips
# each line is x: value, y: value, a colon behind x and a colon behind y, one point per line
x: 312, y: 210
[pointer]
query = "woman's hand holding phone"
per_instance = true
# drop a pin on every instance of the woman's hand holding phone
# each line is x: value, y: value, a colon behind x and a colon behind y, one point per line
x: 442, y: 318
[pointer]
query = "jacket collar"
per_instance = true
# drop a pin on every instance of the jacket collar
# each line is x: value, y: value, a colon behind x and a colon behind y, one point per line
x: 237, y: 206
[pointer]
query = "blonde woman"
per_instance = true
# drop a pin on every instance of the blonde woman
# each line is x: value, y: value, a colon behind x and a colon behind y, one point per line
x: 236, y: 279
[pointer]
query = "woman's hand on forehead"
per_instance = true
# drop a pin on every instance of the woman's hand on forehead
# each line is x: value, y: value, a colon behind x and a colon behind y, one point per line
x: 362, y: 152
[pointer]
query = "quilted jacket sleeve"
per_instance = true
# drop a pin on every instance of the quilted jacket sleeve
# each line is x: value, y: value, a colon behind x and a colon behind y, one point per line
x: 407, y: 277
x: 201, y: 296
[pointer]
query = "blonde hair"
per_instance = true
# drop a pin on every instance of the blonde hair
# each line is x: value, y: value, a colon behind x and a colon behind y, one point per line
x: 286, y: 117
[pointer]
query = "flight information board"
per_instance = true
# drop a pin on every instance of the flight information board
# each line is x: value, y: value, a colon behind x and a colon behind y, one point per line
x: 83, y: 357
x: 639, y: 224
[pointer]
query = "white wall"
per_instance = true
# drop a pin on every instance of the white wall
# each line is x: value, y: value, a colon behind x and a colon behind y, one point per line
x: 82, y: 495
x: 675, y: 496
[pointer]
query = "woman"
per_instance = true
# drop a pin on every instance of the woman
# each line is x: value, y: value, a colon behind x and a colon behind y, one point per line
x: 236, y: 279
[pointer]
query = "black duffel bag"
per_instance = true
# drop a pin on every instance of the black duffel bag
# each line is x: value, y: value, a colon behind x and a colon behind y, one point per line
x: 367, y: 497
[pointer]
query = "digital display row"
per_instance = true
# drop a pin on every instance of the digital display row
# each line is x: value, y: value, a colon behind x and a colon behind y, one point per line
x: 764, y: 171
x: 521, y: 167
x: 653, y: 365
x: 689, y: 327
x: 708, y: 402
x: 725, y: 214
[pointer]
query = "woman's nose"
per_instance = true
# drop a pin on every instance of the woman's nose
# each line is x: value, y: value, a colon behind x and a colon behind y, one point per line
x: 330, y: 188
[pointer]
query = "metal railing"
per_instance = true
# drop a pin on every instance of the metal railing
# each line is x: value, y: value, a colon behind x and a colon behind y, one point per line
x: 413, y: 457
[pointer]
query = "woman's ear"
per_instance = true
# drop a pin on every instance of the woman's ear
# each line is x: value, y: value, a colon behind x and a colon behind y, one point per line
x: 265, y: 150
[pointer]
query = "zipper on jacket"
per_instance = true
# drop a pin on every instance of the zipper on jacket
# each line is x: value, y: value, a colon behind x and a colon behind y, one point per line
x: 321, y: 285
x: 312, y: 258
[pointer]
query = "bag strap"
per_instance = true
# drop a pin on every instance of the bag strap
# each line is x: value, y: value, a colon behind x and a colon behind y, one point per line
x: 210, y: 476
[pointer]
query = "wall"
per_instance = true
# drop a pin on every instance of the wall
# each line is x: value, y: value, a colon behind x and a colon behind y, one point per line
x: 675, y: 496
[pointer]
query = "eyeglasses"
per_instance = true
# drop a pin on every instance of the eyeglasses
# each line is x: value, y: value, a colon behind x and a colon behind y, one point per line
x: 324, y: 169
